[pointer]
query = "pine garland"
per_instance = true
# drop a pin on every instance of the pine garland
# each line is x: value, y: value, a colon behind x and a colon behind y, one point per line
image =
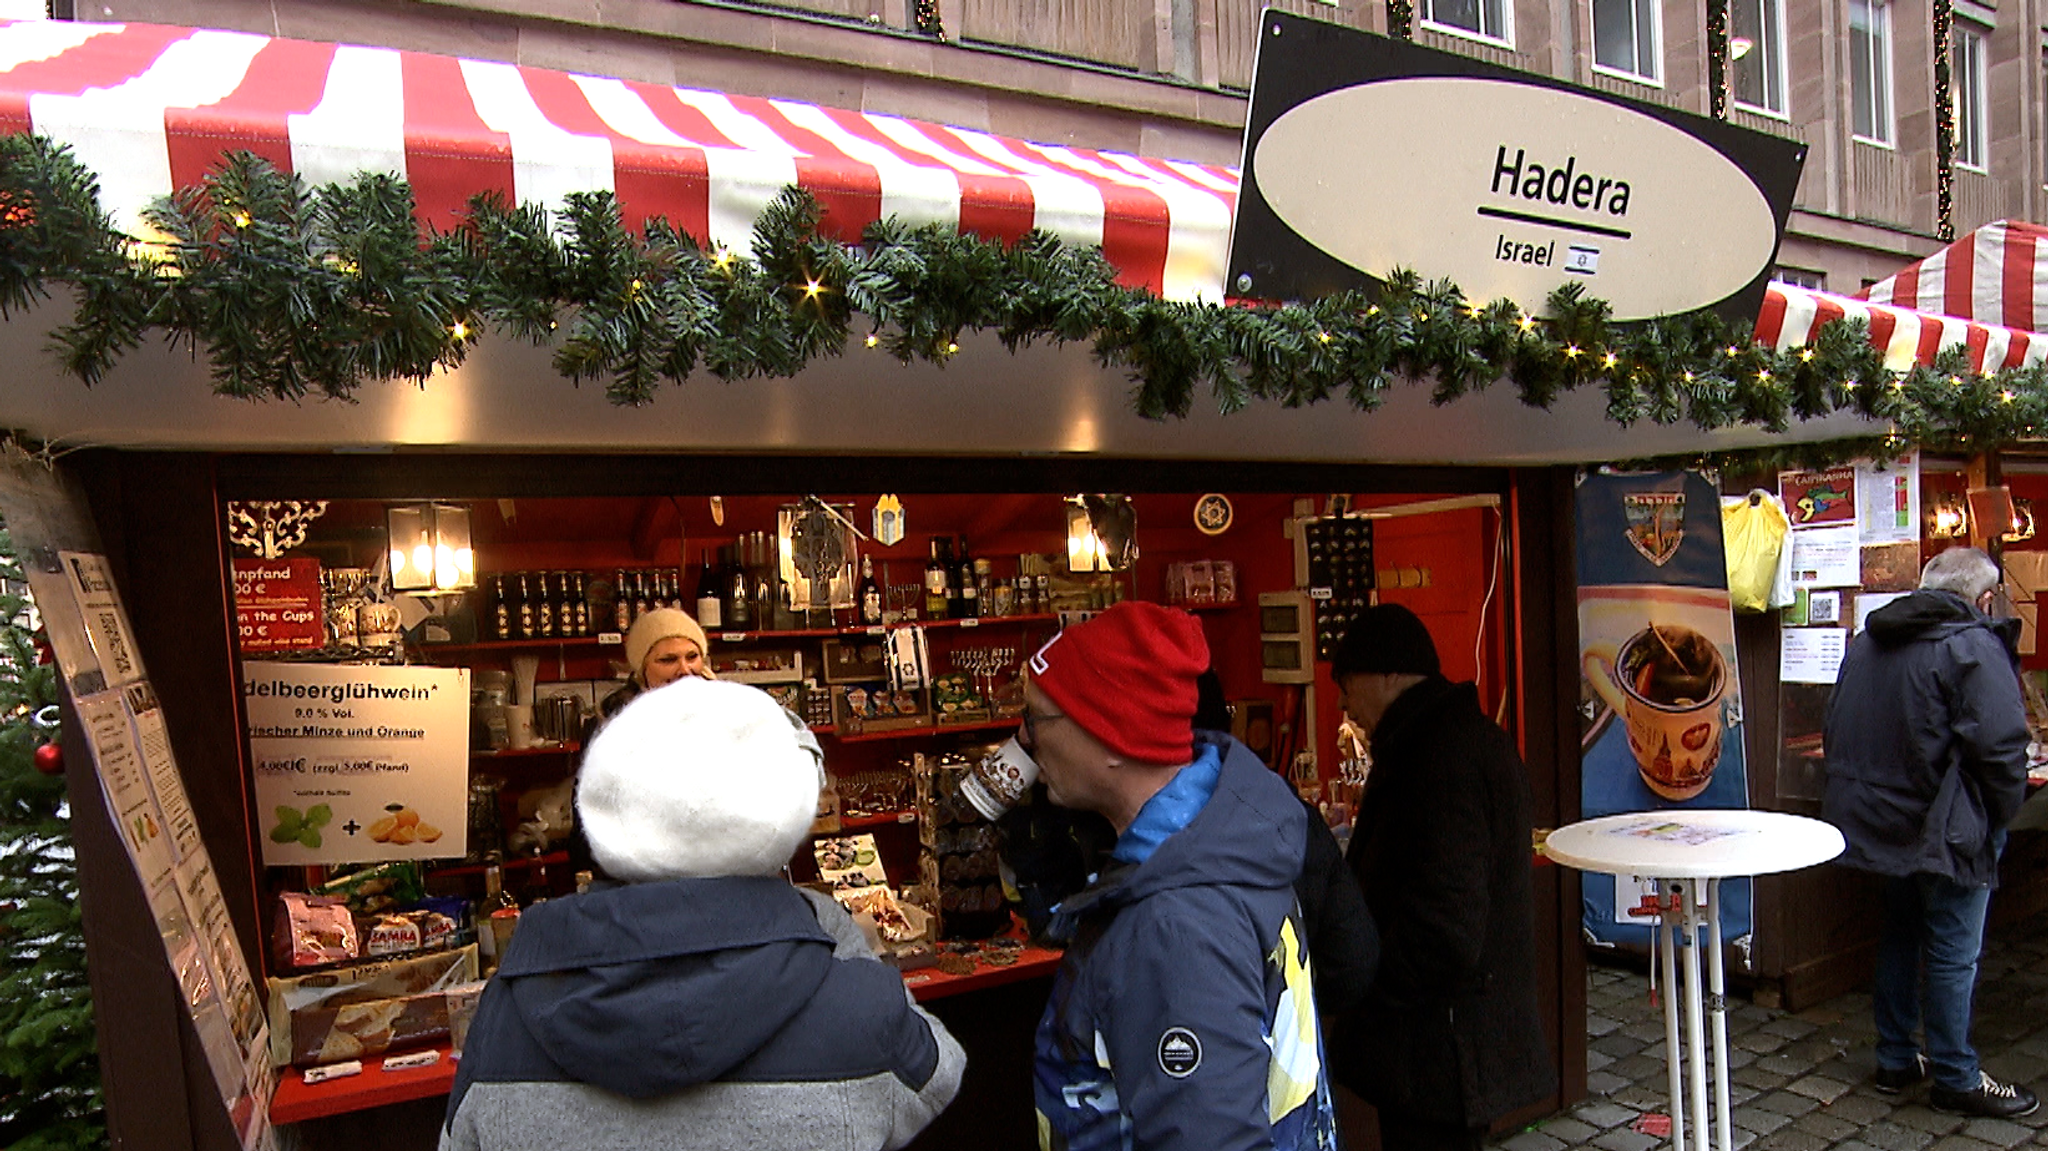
x: 290, y: 292
x: 49, y: 1062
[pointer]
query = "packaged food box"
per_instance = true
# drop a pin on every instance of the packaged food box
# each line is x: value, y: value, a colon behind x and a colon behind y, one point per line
x: 327, y: 991
x: 313, y: 930
x: 360, y: 1030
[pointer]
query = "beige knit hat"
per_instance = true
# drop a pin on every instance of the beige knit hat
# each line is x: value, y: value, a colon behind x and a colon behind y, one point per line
x: 660, y: 624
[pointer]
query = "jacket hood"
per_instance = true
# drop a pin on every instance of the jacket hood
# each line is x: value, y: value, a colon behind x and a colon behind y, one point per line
x: 1233, y: 836
x: 689, y: 976
x: 1922, y: 615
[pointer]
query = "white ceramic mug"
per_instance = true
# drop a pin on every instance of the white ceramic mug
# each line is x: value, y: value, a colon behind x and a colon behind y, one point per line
x: 1676, y: 742
x: 995, y: 784
x: 519, y: 731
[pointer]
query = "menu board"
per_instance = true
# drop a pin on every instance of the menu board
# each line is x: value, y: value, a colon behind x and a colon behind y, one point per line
x: 358, y: 764
x: 278, y: 606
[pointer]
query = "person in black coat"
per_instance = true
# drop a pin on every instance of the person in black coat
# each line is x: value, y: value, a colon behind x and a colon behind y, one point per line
x: 1449, y: 1037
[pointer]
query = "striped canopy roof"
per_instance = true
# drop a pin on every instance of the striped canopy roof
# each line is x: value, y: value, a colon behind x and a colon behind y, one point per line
x: 1997, y: 274
x: 151, y: 108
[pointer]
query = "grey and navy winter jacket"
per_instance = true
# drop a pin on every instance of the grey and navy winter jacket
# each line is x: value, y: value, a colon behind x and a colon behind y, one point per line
x: 1926, y: 742
x: 1183, y: 1016
x: 696, y: 1013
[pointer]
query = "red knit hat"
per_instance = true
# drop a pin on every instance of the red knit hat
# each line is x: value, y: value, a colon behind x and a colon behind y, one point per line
x: 1127, y: 677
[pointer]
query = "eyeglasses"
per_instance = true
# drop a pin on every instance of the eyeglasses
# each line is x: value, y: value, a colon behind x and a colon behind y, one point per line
x: 1031, y: 721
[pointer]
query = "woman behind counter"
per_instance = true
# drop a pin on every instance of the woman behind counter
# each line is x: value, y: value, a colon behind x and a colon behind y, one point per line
x: 663, y: 646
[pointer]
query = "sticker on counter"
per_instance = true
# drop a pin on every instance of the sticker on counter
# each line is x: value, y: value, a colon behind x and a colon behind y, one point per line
x: 358, y: 764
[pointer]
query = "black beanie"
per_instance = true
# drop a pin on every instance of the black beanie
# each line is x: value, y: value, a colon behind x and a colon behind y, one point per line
x: 1388, y: 639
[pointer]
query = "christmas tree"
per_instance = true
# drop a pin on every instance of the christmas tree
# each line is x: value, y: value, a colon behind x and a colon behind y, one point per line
x: 49, y: 1067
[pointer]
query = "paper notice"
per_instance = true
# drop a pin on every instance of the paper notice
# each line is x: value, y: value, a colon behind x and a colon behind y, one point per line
x: 1811, y: 654
x: 125, y: 780
x: 106, y: 623
x: 1888, y: 500
x: 1826, y: 557
x: 154, y: 744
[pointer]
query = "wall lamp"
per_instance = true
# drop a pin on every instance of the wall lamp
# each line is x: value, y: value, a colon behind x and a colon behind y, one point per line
x: 430, y: 547
x: 1948, y: 517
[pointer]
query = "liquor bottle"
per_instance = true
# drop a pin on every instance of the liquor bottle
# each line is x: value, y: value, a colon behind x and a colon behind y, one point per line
x: 708, y: 613
x: 968, y: 590
x: 1044, y: 597
x: 738, y: 600
x: 527, y: 609
x: 622, y: 602
x: 501, y: 610
x: 643, y: 596
x: 579, y: 602
x: 937, y: 575
x: 494, y: 903
x: 870, y: 593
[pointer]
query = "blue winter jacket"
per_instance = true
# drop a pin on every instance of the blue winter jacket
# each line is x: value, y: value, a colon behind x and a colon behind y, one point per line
x: 1926, y: 742
x: 1183, y: 1015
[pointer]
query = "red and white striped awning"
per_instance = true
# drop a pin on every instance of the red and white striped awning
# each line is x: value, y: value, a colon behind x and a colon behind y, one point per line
x: 1997, y: 274
x: 151, y: 108
x: 1791, y: 315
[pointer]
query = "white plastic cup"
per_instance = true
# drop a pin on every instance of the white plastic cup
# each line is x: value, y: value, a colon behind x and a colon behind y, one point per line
x: 519, y: 731
x: 995, y: 784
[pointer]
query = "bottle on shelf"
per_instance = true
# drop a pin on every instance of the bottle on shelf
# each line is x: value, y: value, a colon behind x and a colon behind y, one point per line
x: 495, y: 906
x: 967, y: 592
x: 738, y: 602
x: 708, y: 613
x: 622, y: 603
x: 501, y: 609
x: 869, y: 594
x: 937, y: 575
x: 524, y: 623
x: 579, y: 601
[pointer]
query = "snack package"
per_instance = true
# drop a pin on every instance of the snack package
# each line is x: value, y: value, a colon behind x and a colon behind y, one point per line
x: 361, y: 983
x: 897, y: 923
x: 311, y: 930
x: 390, y: 935
x: 360, y: 1030
x: 378, y: 887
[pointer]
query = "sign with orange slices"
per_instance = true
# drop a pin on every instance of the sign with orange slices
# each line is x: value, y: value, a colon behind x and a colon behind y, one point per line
x: 358, y: 764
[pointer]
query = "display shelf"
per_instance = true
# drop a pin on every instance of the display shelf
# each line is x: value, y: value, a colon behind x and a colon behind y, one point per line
x: 923, y: 731
x: 927, y: 983
x: 297, y: 1100
x: 568, y: 747
x: 879, y: 819
x: 752, y: 635
x: 510, y: 863
x: 486, y: 646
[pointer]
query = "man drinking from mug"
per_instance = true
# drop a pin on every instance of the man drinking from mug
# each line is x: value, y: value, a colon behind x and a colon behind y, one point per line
x: 1182, y: 1015
x: 1926, y: 744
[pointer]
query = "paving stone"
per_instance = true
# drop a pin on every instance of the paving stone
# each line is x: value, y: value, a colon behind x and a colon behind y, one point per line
x: 1860, y: 1109
x: 1604, y: 1115
x: 1601, y: 1024
x: 1788, y: 1102
x: 1568, y: 1130
x: 1791, y: 1139
x: 1647, y: 1030
x: 1643, y: 1097
x: 1739, y: 1138
x: 1890, y: 1136
x: 1595, y: 1060
x: 1828, y: 1127
x: 1619, y: 1046
x: 1784, y: 1065
x: 1791, y: 1027
x: 1997, y: 1132
x: 1959, y: 1143
x: 1926, y: 1119
x: 1762, y: 1041
x: 1532, y: 1141
x: 1637, y: 1067
x: 1759, y: 1120
x: 1606, y: 1082
x: 1761, y: 1077
x: 1819, y: 1087
x: 1625, y: 1139
x: 1739, y: 1058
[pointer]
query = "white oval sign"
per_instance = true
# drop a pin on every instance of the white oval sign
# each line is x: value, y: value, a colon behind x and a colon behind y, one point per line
x: 1512, y: 189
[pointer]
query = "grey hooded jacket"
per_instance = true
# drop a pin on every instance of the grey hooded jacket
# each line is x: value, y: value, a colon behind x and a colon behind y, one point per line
x: 697, y: 1013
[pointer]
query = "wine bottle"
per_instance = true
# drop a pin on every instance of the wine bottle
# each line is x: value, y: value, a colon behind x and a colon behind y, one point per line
x: 937, y: 603
x: 579, y: 600
x: 622, y: 602
x: 869, y: 594
x: 969, y: 591
x: 708, y: 613
x: 501, y: 609
x: 527, y: 609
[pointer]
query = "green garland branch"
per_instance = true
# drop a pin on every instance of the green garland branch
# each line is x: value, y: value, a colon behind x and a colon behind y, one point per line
x: 289, y: 292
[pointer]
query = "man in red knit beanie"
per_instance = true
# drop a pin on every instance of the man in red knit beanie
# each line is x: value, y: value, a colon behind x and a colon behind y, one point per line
x: 1183, y: 1014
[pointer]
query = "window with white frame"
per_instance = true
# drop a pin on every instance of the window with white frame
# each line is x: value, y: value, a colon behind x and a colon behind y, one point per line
x: 1969, y: 96
x: 1756, y: 55
x: 1800, y: 278
x: 1489, y: 19
x: 1870, y: 69
x: 1626, y: 39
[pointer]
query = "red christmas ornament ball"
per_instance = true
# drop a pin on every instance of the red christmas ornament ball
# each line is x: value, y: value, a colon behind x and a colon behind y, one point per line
x: 50, y: 759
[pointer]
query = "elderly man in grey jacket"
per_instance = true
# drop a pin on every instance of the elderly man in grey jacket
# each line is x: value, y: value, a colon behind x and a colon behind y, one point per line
x: 1926, y: 764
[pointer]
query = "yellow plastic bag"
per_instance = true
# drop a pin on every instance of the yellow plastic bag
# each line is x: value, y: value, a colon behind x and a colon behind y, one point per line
x: 1753, y: 529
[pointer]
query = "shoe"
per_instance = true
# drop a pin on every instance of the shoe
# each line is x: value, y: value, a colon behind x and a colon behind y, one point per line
x: 1894, y: 1080
x: 1991, y: 1099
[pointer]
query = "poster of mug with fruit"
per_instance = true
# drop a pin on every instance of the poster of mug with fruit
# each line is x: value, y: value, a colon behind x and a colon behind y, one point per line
x: 358, y: 764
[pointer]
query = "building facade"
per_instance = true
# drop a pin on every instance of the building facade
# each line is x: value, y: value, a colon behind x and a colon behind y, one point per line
x: 1853, y: 79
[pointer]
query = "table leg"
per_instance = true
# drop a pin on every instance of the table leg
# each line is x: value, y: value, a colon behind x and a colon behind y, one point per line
x: 1667, y: 932
x: 1696, y: 1035
x: 1717, y: 1003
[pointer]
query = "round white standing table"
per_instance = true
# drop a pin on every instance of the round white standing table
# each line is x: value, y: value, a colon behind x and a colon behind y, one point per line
x: 1688, y: 853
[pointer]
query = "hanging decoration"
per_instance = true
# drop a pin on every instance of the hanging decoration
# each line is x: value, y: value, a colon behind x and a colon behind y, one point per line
x: 925, y: 15
x: 1401, y: 19
x: 271, y: 528
x: 288, y: 292
x: 1717, y: 59
x: 1944, y: 122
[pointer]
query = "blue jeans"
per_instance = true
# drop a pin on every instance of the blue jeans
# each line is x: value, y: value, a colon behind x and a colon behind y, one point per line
x: 1932, y: 928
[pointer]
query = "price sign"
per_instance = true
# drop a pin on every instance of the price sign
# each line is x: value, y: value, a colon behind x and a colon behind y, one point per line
x: 278, y: 605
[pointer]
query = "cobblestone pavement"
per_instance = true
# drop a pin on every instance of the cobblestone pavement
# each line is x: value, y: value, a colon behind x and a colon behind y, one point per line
x: 1800, y: 1081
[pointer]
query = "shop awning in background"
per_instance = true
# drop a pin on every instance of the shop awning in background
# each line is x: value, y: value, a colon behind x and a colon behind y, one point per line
x: 1790, y: 317
x: 151, y: 108
x: 1997, y: 274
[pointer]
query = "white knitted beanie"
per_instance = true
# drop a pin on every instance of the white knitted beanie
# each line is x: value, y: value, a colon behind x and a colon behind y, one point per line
x: 696, y: 779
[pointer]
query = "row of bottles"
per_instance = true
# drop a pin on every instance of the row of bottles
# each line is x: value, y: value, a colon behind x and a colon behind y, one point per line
x: 958, y: 586
x: 570, y: 605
